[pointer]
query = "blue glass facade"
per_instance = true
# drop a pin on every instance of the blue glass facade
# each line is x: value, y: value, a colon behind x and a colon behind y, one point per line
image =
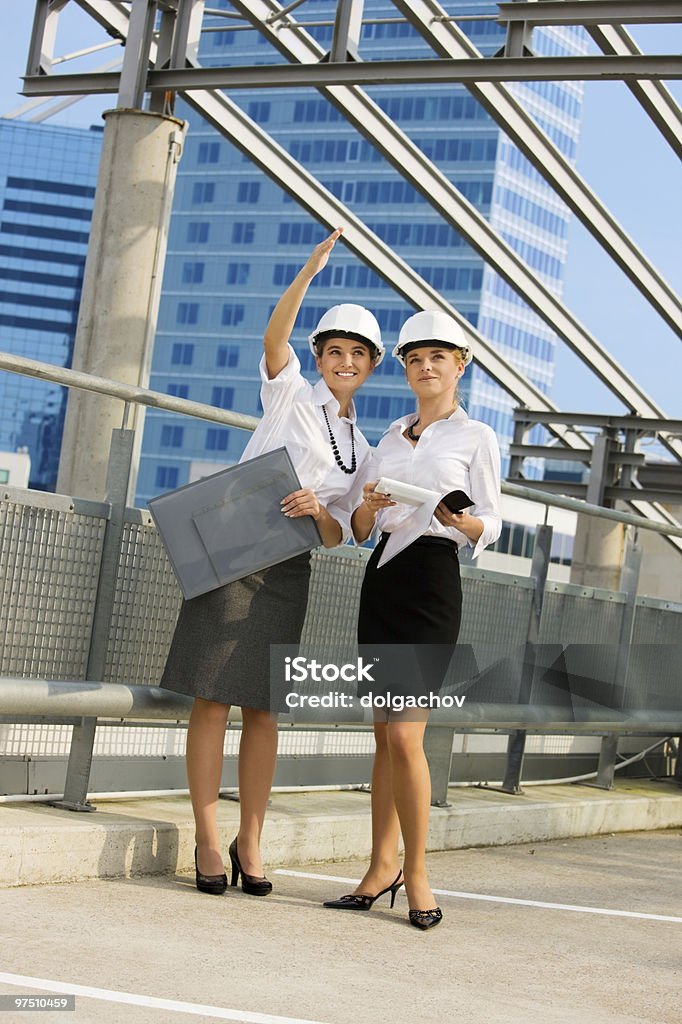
x: 237, y: 240
x: 47, y: 188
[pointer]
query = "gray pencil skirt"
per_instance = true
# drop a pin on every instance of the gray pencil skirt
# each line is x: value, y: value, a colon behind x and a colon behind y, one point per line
x: 221, y: 646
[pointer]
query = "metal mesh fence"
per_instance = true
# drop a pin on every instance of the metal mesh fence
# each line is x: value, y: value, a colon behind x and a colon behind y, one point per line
x: 495, y: 609
x: 654, y: 678
x: 147, y: 600
x: 580, y: 633
x: 49, y: 568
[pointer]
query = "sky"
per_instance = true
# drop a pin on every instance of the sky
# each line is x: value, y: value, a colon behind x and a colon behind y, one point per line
x: 623, y: 158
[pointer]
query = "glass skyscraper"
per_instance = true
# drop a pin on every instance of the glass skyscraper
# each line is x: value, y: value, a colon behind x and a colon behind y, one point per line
x: 236, y: 239
x: 47, y: 188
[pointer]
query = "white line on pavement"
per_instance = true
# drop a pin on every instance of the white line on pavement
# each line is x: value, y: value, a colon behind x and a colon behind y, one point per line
x: 500, y: 899
x: 111, y: 996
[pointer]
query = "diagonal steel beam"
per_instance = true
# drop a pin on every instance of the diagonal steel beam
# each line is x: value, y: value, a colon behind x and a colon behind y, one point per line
x: 397, y: 148
x: 654, y: 97
x: 448, y: 40
x: 43, y: 36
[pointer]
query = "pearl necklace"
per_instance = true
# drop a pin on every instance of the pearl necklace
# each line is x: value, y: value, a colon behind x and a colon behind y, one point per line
x: 335, y: 447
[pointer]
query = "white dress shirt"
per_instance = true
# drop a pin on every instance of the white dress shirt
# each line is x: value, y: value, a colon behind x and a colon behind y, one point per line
x: 293, y: 419
x: 452, y: 454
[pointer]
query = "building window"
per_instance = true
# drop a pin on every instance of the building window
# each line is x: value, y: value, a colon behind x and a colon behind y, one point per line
x: 238, y: 273
x: 171, y: 437
x: 217, y: 439
x: 188, y: 313
x: 209, y: 153
x: 178, y: 390
x: 300, y: 234
x: 227, y: 355
x: 197, y: 231
x: 203, y: 192
x: 232, y: 314
x: 223, y: 397
x: 4, y: 476
x: 248, y: 192
x: 192, y: 273
x: 167, y: 476
x: 243, y: 232
x: 225, y: 38
x: 182, y: 355
x: 315, y: 110
x: 284, y: 273
x: 259, y: 111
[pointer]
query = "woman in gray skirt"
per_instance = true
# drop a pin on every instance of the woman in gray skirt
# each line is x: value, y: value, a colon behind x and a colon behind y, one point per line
x: 220, y: 652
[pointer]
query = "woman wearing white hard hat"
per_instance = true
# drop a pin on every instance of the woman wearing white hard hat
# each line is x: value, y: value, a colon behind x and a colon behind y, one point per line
x: 220, y: 652
x: 415, y: 597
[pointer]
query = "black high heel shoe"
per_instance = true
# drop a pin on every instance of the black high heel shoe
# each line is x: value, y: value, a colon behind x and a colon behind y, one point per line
x: 251, y: 884
x: 214, y: 885
x: 359, y: 901
x: 424, y: 919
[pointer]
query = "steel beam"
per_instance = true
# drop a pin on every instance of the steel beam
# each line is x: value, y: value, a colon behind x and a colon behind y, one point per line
x: 185, y: 48
x: 43, y: 35
x: 653, y: 96
x: 132, y: 80
x: 591, y: 12
x: 449, y: 41
x: 642, y: 424
x: 377, y: 72
x: 347, y: 29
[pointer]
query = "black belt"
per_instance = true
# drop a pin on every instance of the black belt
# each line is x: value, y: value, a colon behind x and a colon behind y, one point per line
x: 426, y: 540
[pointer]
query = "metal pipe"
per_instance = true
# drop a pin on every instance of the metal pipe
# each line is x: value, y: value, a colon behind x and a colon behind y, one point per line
x: 126, y: 392
x: 119, y: 700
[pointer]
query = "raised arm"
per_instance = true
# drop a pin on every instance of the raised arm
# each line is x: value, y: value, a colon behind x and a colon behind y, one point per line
x: 281, y: 323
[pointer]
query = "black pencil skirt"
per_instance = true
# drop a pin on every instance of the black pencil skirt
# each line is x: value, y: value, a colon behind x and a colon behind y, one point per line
x: 414, y: 601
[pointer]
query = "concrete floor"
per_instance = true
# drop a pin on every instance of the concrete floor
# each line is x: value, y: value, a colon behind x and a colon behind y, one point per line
x: 286, y: 956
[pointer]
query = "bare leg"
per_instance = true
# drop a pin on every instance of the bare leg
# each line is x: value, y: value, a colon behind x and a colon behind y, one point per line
x: 384, y: 864
x: 412, y: 795
x: 257, y: 757
x: 205, y: 742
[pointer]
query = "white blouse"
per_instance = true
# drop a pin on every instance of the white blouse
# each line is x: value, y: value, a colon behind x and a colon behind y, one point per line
x: 453, y: 454
x: 293, y: 419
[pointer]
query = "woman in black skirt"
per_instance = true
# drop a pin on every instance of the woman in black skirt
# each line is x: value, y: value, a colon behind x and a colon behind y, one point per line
x: 220, y: 653
x: 415, y: 597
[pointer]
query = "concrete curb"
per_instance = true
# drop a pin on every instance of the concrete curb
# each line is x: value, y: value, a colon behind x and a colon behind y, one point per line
x: 40, y: 844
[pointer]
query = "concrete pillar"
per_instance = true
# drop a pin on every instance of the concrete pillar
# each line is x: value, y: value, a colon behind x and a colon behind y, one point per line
x: 121, y: 289
x: 598, y: 553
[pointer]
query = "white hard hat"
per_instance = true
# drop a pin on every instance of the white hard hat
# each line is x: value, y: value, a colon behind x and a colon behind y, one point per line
x: 349, y: 320
x: 432, y: 325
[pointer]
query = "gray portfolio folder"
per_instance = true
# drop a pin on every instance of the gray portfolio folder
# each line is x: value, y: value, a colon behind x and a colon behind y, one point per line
x: 230, y: 524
